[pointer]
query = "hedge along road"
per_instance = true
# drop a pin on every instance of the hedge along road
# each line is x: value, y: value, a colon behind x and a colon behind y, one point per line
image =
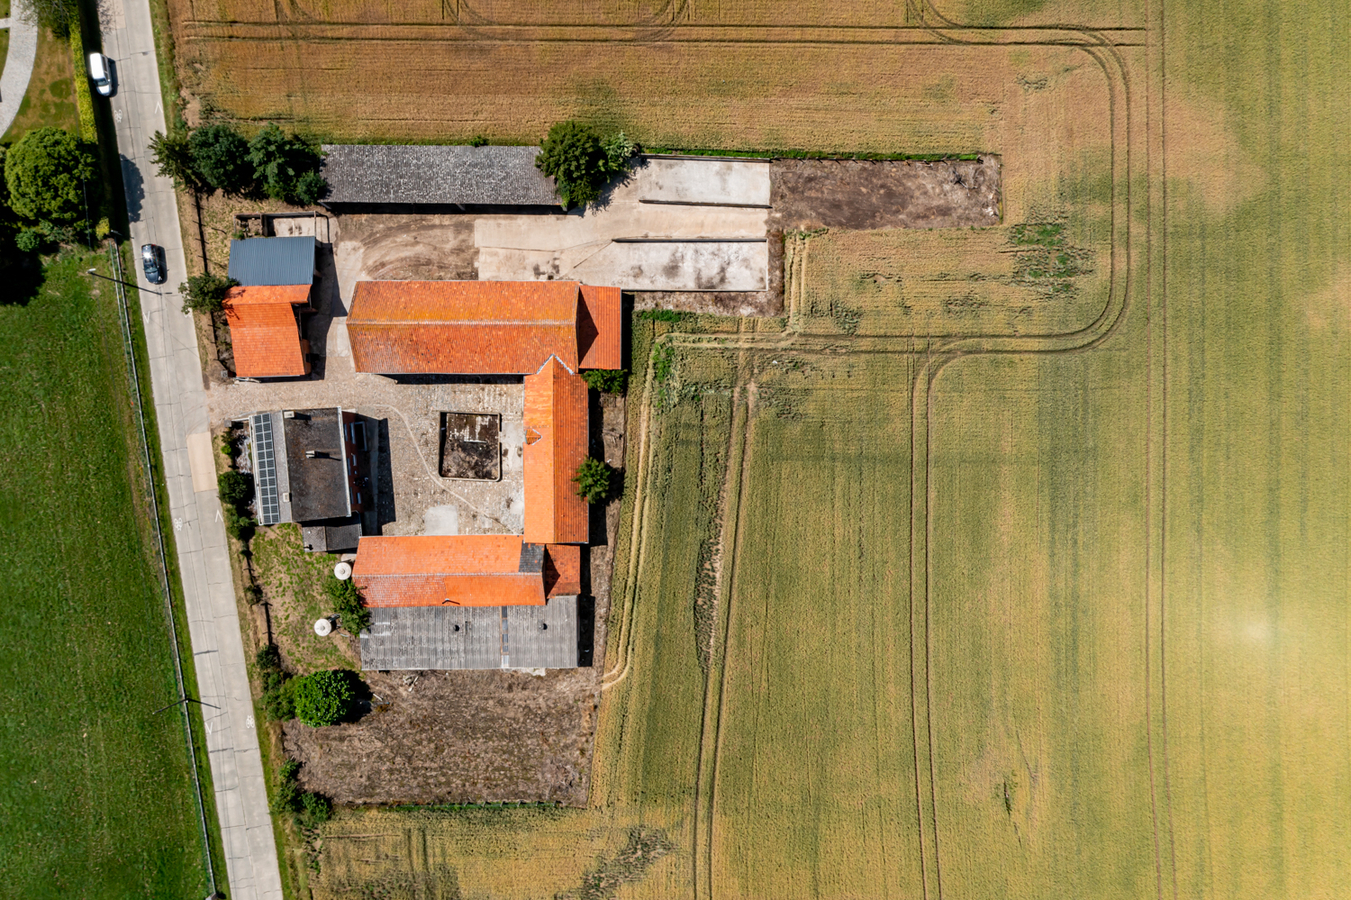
x: 23, y: 51
x: 199, y: 532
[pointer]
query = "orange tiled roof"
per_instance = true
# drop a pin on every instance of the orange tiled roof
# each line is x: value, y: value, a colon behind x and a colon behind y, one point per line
x: 456, y: 570
x: 480, y: 327
x: 600, y: 328
x: 264, y: 332
x: 555, y: 445
x: 562, y: 569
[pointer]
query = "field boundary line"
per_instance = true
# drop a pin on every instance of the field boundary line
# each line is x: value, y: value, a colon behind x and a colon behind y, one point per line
x: 125, y: 321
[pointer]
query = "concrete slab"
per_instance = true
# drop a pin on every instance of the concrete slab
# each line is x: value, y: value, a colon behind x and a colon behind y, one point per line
x: 201, y: 461
x: 710, y: 182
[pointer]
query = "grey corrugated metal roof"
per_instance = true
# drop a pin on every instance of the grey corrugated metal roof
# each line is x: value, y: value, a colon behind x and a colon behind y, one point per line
x: 472, y: 637
x: 497, y: 176
x: 276, y: 260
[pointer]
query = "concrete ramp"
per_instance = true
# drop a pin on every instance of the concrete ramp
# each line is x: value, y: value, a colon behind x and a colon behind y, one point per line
x: 704, y: 182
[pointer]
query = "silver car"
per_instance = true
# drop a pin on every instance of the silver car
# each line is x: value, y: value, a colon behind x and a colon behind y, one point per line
x: 101, y: 73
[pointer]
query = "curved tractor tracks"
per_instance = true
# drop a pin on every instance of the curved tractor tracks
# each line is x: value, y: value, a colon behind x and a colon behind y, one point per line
x: 935, y: 352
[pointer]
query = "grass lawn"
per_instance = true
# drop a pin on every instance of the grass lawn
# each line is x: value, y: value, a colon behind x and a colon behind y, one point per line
x: 50, y: 100
x: 97, y: 790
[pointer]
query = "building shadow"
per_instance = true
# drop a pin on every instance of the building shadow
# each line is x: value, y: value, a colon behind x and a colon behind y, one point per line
x: 385, y: 511
x: 586, y: 629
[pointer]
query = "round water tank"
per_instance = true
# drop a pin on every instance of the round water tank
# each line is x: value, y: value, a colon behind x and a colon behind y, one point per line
x: 342, y: 571
x: 323, y: 627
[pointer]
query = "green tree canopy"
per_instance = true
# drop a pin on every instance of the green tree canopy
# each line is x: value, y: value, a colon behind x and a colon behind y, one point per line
x: 172, y: 155
x: 47, y: 171
x: 280, y: 161
x: 323, y: 698
x: 595, y: 480
x: 220, y: 156
x: 205, y: 293
x: 573, y: 155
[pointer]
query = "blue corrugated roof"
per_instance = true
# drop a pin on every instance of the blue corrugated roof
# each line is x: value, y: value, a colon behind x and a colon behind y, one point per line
x: 277, y: 260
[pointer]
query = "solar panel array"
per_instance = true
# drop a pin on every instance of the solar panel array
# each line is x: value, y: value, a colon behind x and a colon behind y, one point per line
x: 265, y: 476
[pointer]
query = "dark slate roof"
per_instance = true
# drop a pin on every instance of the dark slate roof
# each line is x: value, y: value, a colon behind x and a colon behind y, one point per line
x: 276, y: 260
x: 473, y: 637
x: 496, y: 176
x: 339, y: 536
x: 318, y: 484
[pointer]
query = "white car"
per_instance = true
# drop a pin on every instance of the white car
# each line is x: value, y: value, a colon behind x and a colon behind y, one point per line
x: 101, y: 73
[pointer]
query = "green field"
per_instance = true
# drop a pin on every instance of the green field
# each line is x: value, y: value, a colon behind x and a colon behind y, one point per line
x: 97, y: 792
x: 1040, y: 595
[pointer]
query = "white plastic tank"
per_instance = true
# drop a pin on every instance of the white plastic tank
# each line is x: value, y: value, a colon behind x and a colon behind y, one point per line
x: 342, y: 571
x: 323, y: 627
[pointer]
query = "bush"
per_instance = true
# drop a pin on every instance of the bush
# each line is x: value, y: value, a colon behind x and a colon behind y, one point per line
x: 356, y: 618
x: 253, y: 594
x: 29, y: 240
x: 234, y: 487
x: 268, y: 659
x: 323, y: 698
x: 316, y: 809
x: 238, y: 526
x: 59, y: 16
x: 619, y: 152
x: 205, y: 293
x: 84, y: 97
x: 607, y: 381
x: 595, y: 480
x: 573, y: 155
x: 662, y: 315
x: 310, y: 189
x: 49, y: 172
x: 220, y: 156
x: 478, y: 140
x: 278, y: 697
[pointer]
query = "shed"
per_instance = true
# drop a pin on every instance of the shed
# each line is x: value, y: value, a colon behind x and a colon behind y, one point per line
x: 273, y: 261
x: 474, y: 637
x: 422, y: 175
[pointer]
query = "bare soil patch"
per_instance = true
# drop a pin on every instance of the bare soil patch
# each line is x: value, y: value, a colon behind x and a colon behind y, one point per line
x: 808, y: 194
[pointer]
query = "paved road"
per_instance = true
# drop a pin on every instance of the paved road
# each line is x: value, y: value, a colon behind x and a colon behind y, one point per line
x: 23, y: 50
x: 180, y: 404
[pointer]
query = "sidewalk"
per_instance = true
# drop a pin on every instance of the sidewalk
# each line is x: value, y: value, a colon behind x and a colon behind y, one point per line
x: 199, y: 531
x: 19, y: 59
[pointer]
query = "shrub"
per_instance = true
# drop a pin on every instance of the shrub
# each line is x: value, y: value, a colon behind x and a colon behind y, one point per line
x: 220, y: 156
x: 234, y: 487
x: 662, y: 315
x: 253, y: 594
x: 238, y: 526
x: 310, y: 189
x: 619, y: 152
x: 478, y: 140
x: 347, y: 604
x: 268, y: 659
x: 48, y: 171
x: 573, y: 155
x: 205, y: 293
x: 595, y: 480
x: 607, y: 381
x: 29, y: 240
x: 323, y: 698
x: 278, y: 697
x: 315, y: 809
x: 59, y: 16
x: 287, y: 797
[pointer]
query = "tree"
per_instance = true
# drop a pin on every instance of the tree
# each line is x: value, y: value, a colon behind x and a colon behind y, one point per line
x: 47, y: 171
x: 607, y: 381
x: 205, y: 293
x: 57, y: 15
x: 233, y: 487
x: 172, y: 155
x: 573, y: 155
x: 280, y: 161
x: 310, y: 189
x: 323, y: 698
x: 220, y: 155
x: 595, y: 480
x: 356, y: 618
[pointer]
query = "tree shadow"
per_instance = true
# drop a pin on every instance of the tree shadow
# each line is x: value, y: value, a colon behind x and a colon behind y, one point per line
x: 134, y: 186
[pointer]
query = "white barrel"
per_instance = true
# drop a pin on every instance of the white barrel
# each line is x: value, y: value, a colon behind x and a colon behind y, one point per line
x: 323, y: 627
x: 342, y: 571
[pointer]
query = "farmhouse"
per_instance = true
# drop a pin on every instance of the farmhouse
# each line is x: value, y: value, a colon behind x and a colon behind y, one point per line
x: 309, y: 466
x: 461, y: 601
x: 422, y: 175
x: 275, y: 276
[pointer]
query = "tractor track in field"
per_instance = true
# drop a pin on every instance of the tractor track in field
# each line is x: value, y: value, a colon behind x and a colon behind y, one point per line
x: 936, y: 352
